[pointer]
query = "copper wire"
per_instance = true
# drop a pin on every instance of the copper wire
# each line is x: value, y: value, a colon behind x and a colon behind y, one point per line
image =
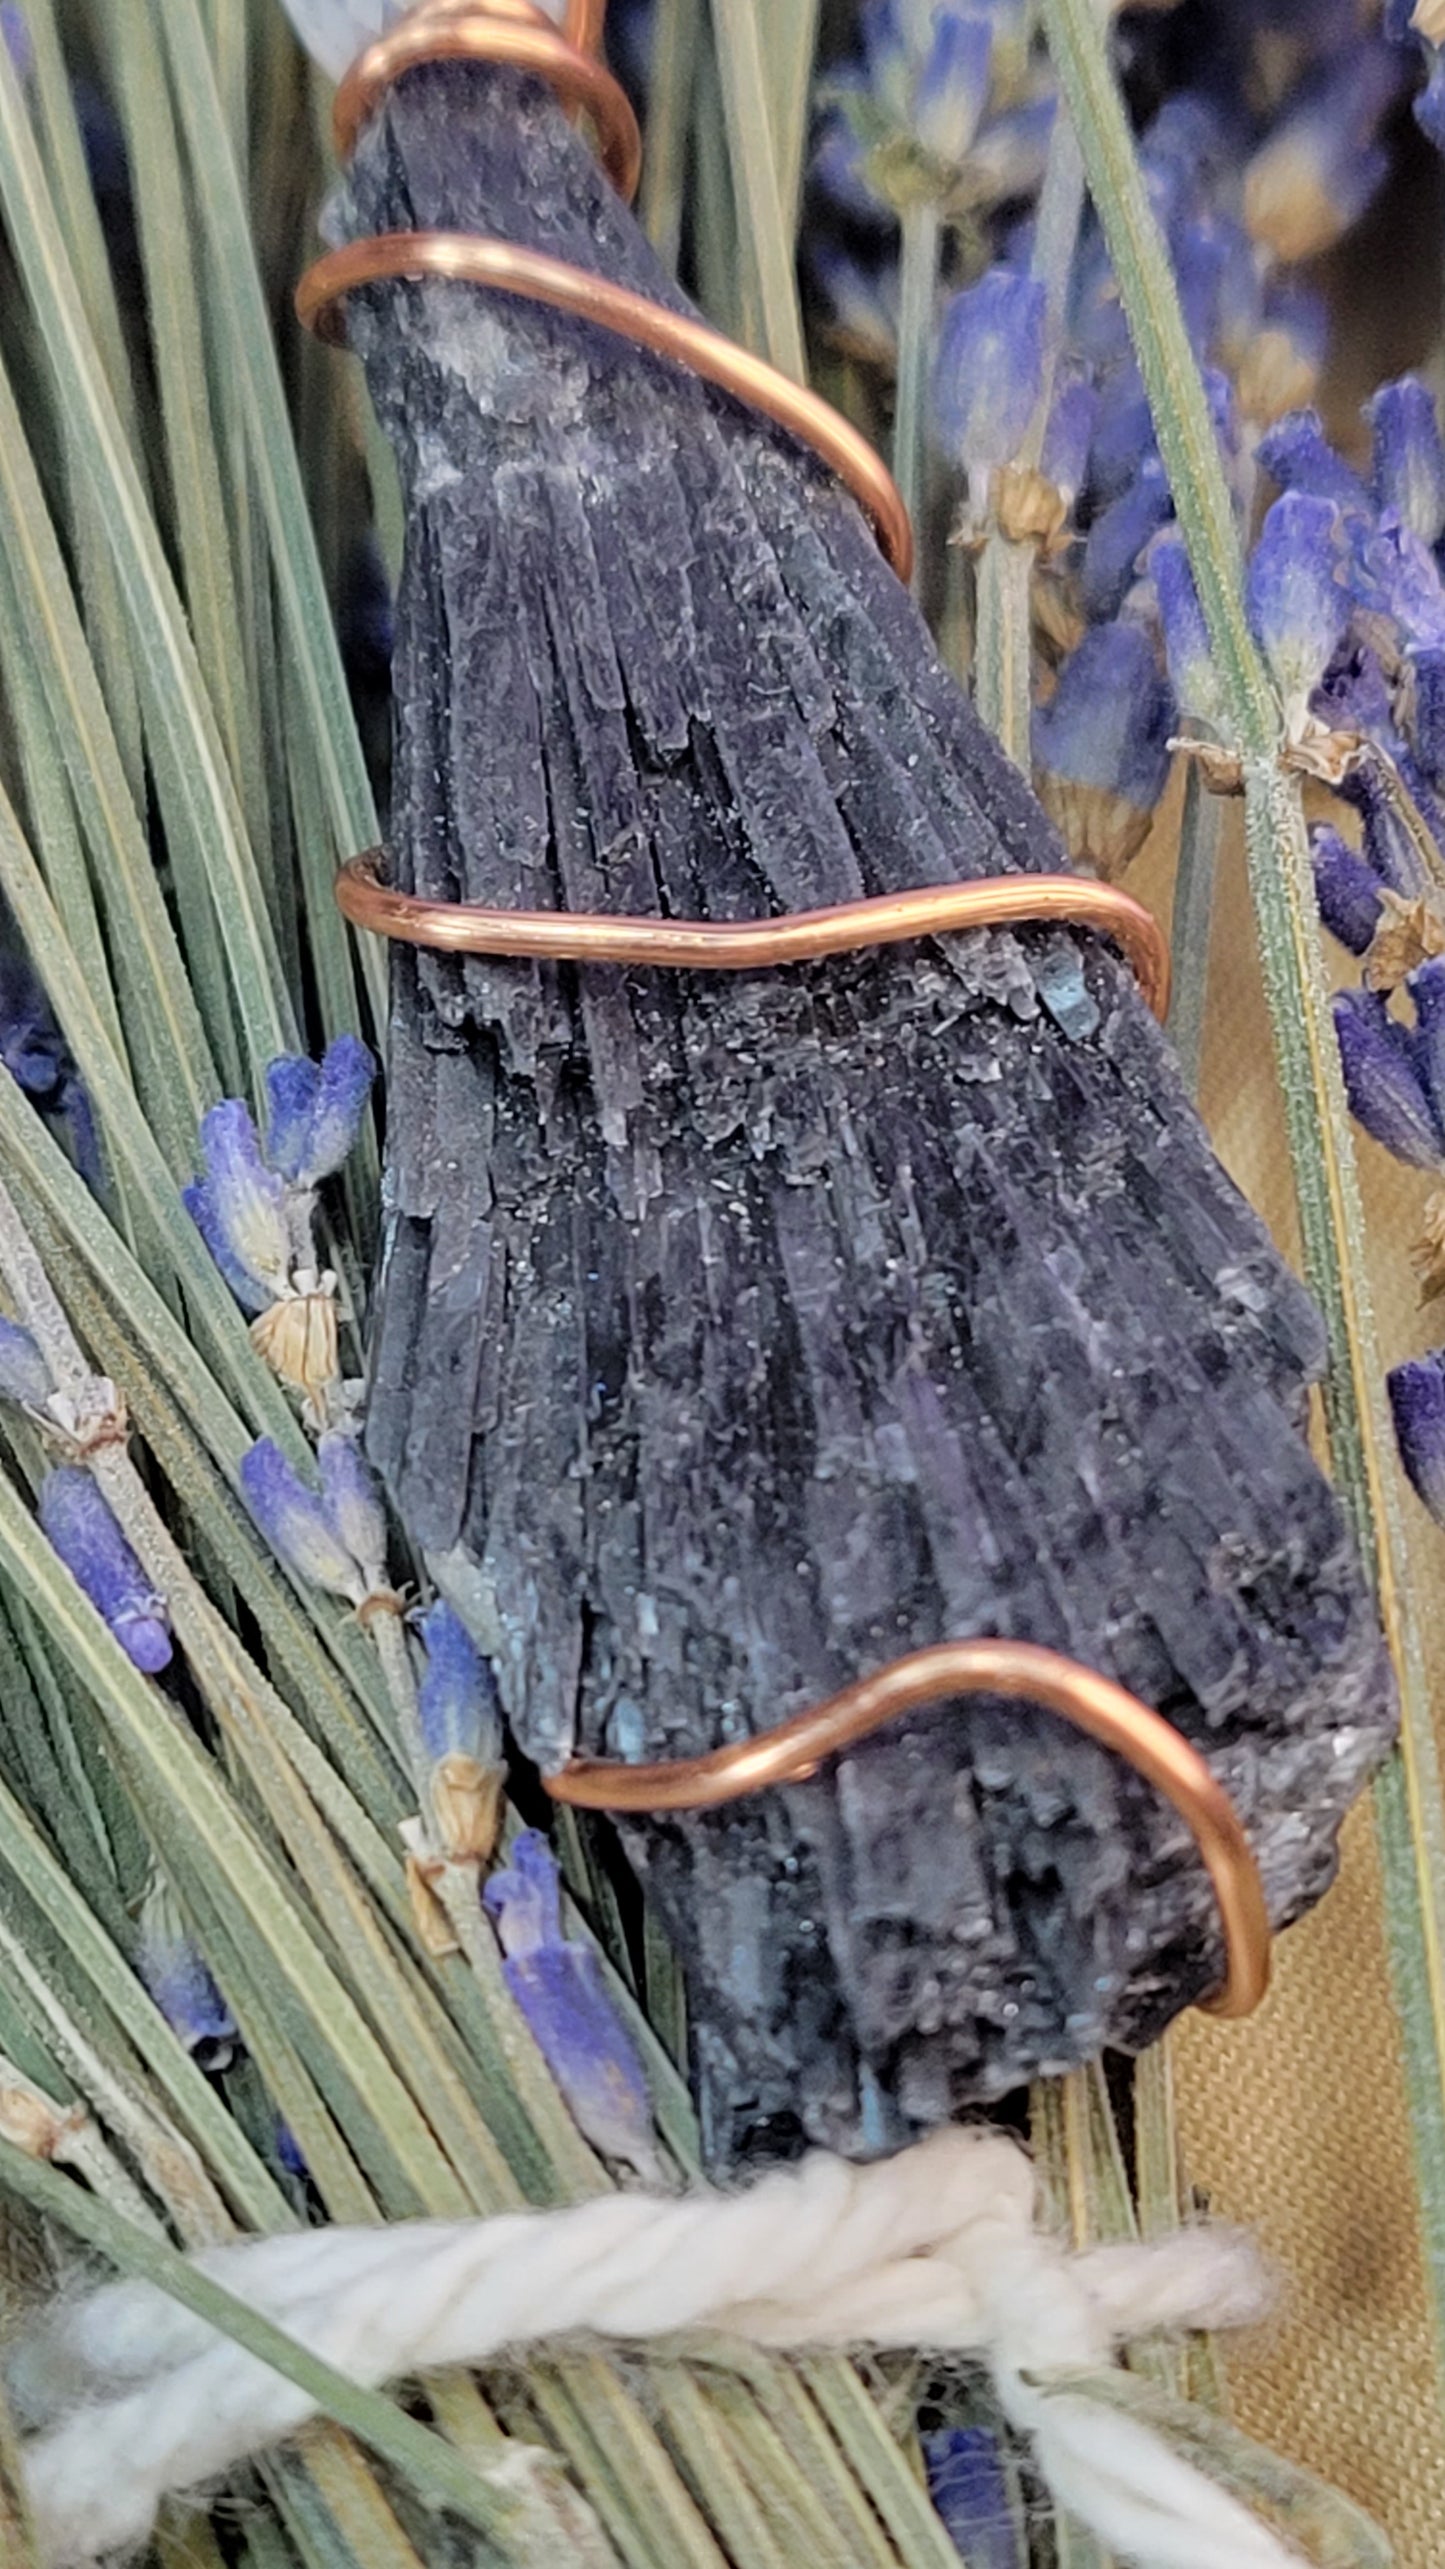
x: 1020, y: 1669
x: 516, y: 33
x: 675, y: 335
x: 752, y: 945
x: 503, y: 32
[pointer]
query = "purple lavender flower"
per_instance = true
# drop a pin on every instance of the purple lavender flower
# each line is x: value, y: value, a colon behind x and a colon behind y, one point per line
x: 1427, y: 665
x: 951, y: 90
x: 342, y: 1091
x: 1389, y: 844
x: 291, y: 1085
x: 1318, y: 169
x: 864, y: 302
x: 79, y: 1523
x: 989, y: 372
x: 295, y: 1523
x: 457, y: 1698
x: 560, y: 1989
x: 1101, y: 746
x: 180, y: 1981
x: 239, y: 1207
x: 1277, y: 352
x: 34, y: 1052
x: 1298, y: 603
x: 1118, y: 536
x: 1394, y: 571
x: 1417, y: 1398
x: 1123, y: 431
x: 24, y: 1374
x: 1297, y: 454
x: 1409, y: 456
x: 968, y: 2486
x: 1347, y: 889
x: 1192, y: 673
x: 1426, y: 986
x: 252, y: 1209
x: 1386, y: 1093
x: 351, y: 1504
x: 1069, y: 434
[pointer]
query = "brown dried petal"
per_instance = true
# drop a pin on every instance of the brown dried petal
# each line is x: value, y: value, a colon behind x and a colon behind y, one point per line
x: 1409, y: 933
x: 299, y: 1340
x: 1428, y: 1254
x: 1099, y: 829
x: 467, y: 1805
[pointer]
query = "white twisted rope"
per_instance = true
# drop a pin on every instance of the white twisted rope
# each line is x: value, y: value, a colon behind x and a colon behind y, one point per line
x: 131, y: 2396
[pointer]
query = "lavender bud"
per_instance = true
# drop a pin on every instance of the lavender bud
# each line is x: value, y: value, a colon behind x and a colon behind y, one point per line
x: 1067, y: 438
x: 251, y: 1294
x: 1118, y: 536
x: 1389, y: 843
x: 1278, y: 364
x: 1386, y: 1093
x: 1199, y: 251
x: 989, y: 372
x: 1417, y: 1399
x: 864, y: 301
x: 1298, y: 604
x: 342, y: 1090
x: 1297, y: 454
x: 457, y: 1698
x: 1317, y: 171
x: 1123, y: 431
x: 351, y: 1503
x: 295, y: 1524
x: 562, y: 1992
x: 1346, y: 888
x: 1008, y: 158
x: 952, y: 88
x: 1101, y: 752
x: 1428, y: 669
x: 969, y: 2487
x: 291, y: 1086
x: 180, y: 1982
x: 1396, y: 573
x: 1192, y: 673
x: 77, y: 1519
x: 242, y: 1204
x: 1409, y: 456
x: 24, y: 1373
x: 1426, y: 986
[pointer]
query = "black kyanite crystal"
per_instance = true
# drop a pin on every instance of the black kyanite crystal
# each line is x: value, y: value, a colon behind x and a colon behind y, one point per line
x: 739, y: 1333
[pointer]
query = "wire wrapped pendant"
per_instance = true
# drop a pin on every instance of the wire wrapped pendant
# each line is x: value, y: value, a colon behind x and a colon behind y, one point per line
x: 747, y: 1332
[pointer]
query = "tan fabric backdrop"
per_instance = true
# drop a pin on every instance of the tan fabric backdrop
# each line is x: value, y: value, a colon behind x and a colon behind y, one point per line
x: 1295, y: 2123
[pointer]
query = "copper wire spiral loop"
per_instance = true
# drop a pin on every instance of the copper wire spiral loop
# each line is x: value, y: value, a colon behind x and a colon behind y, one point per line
x: 517, y: 33
x: 751, y: 945
x: 795, y: 1749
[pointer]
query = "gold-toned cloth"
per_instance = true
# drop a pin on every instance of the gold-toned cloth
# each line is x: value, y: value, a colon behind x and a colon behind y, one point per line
x: 1296, y: 2123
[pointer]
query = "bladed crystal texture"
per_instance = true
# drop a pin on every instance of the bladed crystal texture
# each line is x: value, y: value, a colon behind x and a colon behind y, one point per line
x: 738, y: 1333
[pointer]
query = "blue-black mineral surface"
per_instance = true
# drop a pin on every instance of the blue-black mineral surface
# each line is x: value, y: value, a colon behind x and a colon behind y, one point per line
x: 738, y: 1333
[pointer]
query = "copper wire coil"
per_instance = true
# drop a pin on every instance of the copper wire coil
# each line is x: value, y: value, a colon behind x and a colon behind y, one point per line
x: 513, y: 31
x: 520, y: 38
x: 466, y: 257
x: 1094, y: 1704
x: 753, y: 945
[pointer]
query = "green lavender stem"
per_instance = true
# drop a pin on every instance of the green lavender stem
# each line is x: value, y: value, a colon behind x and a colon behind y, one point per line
x: 1194, y: 881
x: 918, y: 287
